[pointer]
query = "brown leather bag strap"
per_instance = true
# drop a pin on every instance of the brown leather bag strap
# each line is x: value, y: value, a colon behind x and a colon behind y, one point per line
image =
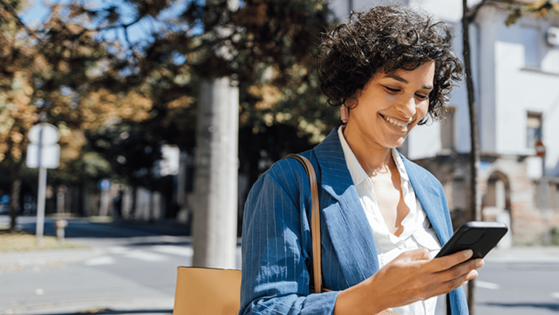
x: 315, y: 221
x: 315, y: 227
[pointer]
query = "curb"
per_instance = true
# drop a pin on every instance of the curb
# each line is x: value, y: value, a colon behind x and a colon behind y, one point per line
x: 524, y: 255
x: 16, y: 260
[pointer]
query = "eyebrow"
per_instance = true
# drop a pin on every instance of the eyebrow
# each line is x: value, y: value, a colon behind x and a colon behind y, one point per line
x: 400, y: 79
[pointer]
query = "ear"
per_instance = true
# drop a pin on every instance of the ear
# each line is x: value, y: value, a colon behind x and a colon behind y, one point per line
x: 344, y: 113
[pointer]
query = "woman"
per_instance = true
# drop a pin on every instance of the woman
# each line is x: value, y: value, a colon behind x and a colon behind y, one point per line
x: 382, y: 217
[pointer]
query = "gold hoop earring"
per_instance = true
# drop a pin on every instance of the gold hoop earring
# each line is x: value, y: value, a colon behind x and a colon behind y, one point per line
x: 344, y: 113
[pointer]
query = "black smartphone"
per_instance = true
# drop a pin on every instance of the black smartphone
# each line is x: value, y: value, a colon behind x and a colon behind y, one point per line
x: 478, y: 236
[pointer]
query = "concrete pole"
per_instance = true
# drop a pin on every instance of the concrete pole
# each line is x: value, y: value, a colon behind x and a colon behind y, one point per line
x: 60, y: 206
x: 41, y: 205
x: 215, y: 185
x: 41, y: 192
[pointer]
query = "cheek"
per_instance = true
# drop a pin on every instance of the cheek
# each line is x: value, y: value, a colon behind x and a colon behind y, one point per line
x: 422, y: 110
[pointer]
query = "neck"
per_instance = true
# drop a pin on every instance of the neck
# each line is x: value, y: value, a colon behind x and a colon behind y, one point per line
x: 373, y: 158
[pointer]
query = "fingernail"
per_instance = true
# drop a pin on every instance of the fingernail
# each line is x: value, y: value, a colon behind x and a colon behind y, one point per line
x: 479, y: 263
x: 468, y: 253
x: 472, y: 274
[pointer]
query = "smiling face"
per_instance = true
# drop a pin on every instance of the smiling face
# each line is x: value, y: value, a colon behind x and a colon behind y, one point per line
x: 389, y: 106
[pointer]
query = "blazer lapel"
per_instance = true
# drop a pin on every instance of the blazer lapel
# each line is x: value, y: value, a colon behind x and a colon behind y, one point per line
x: 430, y: 199
x: 343, y: 214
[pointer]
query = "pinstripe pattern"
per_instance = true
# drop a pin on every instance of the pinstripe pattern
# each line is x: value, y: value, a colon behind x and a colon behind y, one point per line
x: 277, y: 246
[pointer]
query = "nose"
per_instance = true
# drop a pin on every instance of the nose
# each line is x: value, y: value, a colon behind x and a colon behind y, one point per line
x: 407, y: 107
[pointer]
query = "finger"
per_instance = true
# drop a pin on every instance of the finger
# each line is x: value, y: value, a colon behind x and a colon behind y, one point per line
x: 478, y: 263
x: 447, y: 262
x: 471, y: 275
x: 448, y: 280
x: 462, y: 270
x: 416, y: 254
x: 457, y: 282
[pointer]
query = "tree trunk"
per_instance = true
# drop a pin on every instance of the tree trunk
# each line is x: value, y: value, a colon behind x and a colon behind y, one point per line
x: 215, y: 201
x: 14, y: 203
x: 474, y: 200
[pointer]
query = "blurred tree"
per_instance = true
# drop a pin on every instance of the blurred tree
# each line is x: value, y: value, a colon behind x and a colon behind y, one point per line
x: 50, y: 75
x: 16, y: 112
x: 272, y: 41
x: 130, y: 153
x: 85, y: 68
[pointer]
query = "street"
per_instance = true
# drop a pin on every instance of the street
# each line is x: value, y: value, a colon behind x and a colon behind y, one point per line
x: 133, y: 271
x: 518, y: 288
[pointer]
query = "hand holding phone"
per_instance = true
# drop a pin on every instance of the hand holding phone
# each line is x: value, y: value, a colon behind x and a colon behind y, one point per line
x: 478, y: 236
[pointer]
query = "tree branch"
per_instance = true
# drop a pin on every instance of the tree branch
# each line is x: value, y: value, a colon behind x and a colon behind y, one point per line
x: 125, y: 26
x: 472, y: 12
x: 13, y: 12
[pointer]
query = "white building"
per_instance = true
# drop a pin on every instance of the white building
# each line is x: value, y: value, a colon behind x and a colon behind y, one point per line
x: 516, y: 81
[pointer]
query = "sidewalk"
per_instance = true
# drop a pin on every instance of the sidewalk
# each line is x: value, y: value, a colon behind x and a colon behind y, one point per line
x: 40, y: 258
x: 532, y: 254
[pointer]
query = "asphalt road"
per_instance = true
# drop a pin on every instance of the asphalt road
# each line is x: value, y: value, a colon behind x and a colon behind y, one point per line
x: 136, y: 273
x: 518, y: 288
x: 133, y: 272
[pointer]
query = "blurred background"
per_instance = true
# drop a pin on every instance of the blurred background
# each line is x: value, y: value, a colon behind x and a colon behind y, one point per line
x: 168, y: 111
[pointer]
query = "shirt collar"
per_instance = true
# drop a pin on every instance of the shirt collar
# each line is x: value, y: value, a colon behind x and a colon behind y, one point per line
x: 400, y: 165
x: 358, y: 175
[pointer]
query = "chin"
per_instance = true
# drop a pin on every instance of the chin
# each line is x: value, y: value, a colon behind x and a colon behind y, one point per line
x: 396, y: 143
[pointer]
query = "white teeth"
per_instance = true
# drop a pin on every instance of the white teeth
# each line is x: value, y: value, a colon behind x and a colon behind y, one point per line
x: 394, y: 122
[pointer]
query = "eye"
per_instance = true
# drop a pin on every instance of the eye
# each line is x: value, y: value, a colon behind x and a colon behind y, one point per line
x: 423, y: 97
x: 391, y: 90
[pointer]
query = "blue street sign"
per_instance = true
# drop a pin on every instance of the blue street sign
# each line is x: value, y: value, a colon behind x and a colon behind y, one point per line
x: 104, y: 184
x: 5, y: 199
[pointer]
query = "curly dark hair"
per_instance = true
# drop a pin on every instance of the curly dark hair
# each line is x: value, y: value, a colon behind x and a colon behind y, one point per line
x: 387, y: 38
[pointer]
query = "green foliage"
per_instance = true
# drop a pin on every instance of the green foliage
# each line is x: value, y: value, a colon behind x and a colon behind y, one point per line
x: 129, y: 153
x: 513, y: 17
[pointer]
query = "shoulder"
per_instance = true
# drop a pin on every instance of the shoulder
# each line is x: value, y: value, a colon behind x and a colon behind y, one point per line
x: 285, y: 171
x: 284, y: 176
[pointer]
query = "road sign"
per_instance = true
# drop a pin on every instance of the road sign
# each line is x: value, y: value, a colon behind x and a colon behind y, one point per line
x: 104, y: 184
x: 49, y: 157
x: 540, y: 148
x: 43, y: 150
x: 43, y: 133
x: 169, y: 164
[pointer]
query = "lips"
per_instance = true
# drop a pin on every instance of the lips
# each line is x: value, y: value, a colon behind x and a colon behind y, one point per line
x: 392, y: 121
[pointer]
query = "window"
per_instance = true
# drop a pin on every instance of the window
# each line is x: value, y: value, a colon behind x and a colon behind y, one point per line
x: 533, y: 129
x: 531, y: 38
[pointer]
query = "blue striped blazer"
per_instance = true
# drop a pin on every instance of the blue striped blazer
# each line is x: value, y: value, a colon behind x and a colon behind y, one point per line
x: 276, y: 240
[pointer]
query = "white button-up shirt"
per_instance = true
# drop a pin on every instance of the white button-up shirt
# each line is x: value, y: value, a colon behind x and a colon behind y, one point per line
x: 417, y: 233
